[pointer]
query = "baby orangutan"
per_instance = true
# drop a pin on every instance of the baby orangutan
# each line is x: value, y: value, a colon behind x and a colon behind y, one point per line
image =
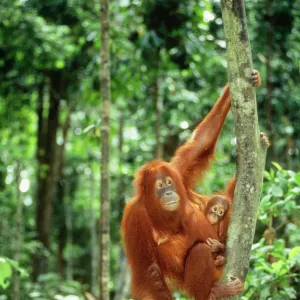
x: 216, y: 209
x: 218, y: 213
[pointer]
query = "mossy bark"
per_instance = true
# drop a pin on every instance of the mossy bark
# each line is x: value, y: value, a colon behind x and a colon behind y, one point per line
x: 251, y: 147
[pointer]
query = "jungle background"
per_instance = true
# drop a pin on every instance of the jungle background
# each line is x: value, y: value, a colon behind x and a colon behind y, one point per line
x: 168, y: 66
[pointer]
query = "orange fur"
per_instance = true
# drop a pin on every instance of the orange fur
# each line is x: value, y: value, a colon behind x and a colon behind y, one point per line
x: 163, y: 246
x: 221, y: 228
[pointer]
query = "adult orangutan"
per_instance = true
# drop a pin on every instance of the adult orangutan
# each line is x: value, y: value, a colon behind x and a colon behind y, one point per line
x: 164, y: 234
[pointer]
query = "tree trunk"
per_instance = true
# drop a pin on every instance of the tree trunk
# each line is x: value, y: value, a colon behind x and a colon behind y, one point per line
x: 251, y: 146
x: 93, y: 228
x: 62, y: 231
x: 46, y: 174
x: 60, y: 209
x: 41, y: 180
x: 69, y: 227
x: 105, y: 132
x: 19, y: 234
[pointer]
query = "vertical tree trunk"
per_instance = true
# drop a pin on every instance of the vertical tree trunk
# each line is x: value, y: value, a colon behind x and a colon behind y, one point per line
x: 19, y: 234
x: 69, y: 227
x: 41, y: 180
x: 60, y: 209
x: 62, y: 231
x: 46, y: 177
x: 251, y: 146
x: 93, y: 228
x: 105, y: 133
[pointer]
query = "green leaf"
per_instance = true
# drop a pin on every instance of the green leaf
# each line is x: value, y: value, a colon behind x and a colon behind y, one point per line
x: 264, y: 266
x: 266, y: 199
x: 267, y: 175
x: 296, y: 190
x: 23, y: 273
x: 265, y: 293
x: 5, y: 272
x: 275, y: 295
x: 297, y: 178
x: 59, y: 64
x: 290, y: 292
x: 291, y: 173
x: 280, y: 268
x: 276, y: 191
x: 276, y: 165
x: 294, y: 252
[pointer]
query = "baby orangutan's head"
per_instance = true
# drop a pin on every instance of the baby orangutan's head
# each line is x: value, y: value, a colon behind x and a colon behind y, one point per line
x: 216, y: 209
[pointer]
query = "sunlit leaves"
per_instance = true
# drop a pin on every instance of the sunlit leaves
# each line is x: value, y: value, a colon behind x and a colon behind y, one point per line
x: 297, y: 178
x: 271, y: 272
x: 6, y: 272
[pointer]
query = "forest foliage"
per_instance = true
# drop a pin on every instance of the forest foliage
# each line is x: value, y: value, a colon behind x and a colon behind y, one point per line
x: 168, y: 66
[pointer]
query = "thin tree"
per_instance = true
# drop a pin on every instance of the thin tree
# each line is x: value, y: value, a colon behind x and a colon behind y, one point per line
x: 93, y: 233
x: 251, y: 144
x: 60, y: 195
x: 19, y: 233
x: 68, y: 207
x: 48, y: 123
x: 105, y: 133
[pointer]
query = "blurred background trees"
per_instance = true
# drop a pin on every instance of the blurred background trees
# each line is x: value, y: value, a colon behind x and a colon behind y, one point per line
x: 168, y: 67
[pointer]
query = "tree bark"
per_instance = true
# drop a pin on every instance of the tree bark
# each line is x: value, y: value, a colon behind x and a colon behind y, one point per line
x: 251, y: 146
x: 19, y: 233
x: 60, y: 209
x: 69, y: 227
x: 93, y: 231
x: 46, y: 173
x: 105, y: 134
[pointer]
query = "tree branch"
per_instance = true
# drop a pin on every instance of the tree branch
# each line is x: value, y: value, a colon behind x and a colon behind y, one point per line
x: 251, y: 145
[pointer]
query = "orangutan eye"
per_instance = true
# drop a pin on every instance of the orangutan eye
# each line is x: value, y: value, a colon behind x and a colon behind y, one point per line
x: 159, y: 184
x: 221, y: 212
x: 169, y: 181
x: 215, y: 209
